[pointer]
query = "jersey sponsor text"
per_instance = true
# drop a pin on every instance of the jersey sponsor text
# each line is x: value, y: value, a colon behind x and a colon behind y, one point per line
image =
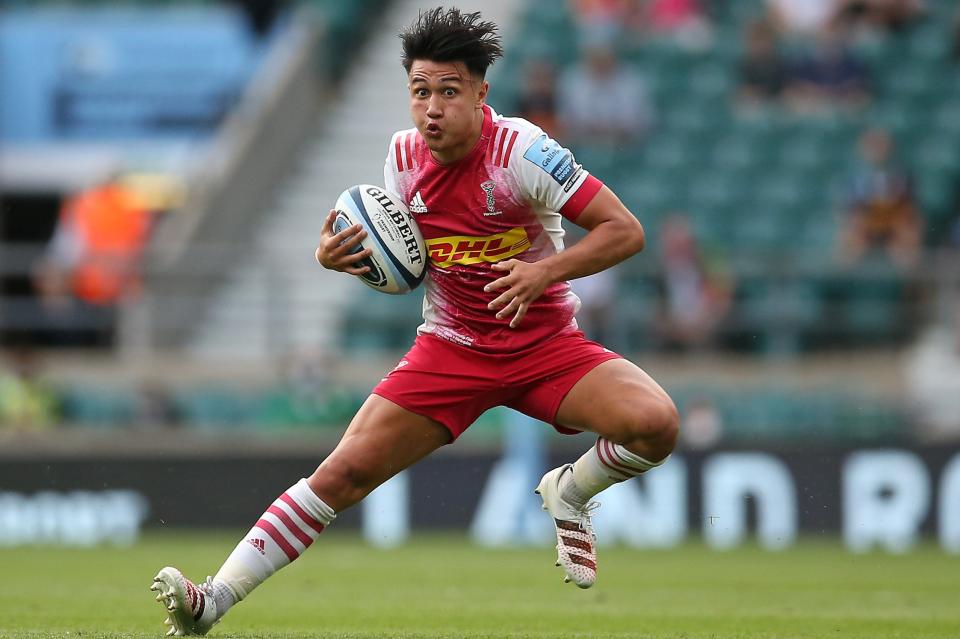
x: 463, y: 249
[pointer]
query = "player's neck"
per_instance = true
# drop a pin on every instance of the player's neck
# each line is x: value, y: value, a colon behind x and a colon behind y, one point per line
x: 456, y: 153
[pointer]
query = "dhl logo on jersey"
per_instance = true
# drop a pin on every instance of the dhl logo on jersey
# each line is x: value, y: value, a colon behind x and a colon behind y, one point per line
x: 465, y: 249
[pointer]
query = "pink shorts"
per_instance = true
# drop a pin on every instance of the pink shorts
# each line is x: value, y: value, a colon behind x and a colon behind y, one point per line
x: 454, y: 384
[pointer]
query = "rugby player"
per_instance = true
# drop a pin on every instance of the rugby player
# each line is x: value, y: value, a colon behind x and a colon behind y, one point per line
x: 488, y: 193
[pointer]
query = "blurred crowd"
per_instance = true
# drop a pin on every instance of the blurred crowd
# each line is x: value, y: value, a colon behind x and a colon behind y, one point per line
x: 797, y: 55
x: 798, y: 61
x: 797, y: 58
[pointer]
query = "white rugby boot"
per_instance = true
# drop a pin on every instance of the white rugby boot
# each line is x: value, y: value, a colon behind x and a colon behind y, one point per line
x: 576, y: 552
x: 191, y: 609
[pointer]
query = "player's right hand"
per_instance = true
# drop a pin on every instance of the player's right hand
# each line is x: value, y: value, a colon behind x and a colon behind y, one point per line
x: 334, y: 250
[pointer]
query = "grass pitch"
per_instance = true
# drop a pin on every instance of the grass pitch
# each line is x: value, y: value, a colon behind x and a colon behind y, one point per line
x: 444, y: 587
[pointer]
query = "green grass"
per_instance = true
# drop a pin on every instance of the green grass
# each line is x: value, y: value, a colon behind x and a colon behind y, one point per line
x: 445, y: 587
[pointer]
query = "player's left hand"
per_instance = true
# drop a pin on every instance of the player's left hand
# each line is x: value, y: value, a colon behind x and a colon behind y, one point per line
x: 524, y: 283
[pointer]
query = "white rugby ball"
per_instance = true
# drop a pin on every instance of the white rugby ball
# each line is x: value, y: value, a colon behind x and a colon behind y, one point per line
x: 398, y: 254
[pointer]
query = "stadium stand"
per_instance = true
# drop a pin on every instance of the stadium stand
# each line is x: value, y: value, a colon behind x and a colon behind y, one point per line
x: 780, y: 233
x: 763, y: 190
x: 762, y: 414
x: 146, y: 73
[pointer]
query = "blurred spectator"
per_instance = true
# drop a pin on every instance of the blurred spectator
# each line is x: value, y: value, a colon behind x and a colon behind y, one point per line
x: 261, y: 14
x: 827, y: 76
x: 882, y: 211
x: 537, y: 101
x: 155, y: 407
x: 305, y: 395
x: 946, y: 234
x: 683, y: 20
x: 879, y: 16
x: 93, y: 259
x: 628, y: 21
x: 696, y: 293
x: 604, y: 20
x: 602, y: 101
x: 801, y: 18
x: 702, y: 424
x: 933, y: 381
x: 597, y: 295
x: 27, y: 402
x: 763, y: 73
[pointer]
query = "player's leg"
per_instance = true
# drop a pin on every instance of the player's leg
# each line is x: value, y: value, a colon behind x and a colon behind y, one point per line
x: 622, y: 404
x: 382, y: 440
x: 637, y: 424
x: 577, y: 385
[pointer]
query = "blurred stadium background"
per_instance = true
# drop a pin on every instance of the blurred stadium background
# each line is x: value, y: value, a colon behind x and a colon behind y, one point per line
x: 166, y: 165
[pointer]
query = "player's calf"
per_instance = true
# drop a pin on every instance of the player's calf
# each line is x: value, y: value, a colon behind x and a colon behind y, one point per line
x: 284, y: 531
x: 344, y: 481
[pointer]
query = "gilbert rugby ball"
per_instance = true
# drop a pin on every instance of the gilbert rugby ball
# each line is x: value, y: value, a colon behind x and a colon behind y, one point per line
x: 398, y: 255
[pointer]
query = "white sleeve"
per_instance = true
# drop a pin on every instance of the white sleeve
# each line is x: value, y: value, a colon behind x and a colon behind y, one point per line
x: 390, y: 182
x: 550, y: 175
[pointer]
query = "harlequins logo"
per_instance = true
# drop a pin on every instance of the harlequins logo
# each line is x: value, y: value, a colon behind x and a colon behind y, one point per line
x: 258, y: 544
x: 488, y: 188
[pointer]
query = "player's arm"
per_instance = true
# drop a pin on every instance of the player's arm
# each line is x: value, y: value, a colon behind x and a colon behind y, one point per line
x: 614, y: 234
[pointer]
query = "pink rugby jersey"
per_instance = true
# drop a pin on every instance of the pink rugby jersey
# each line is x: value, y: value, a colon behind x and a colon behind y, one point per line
x: 503, y: 200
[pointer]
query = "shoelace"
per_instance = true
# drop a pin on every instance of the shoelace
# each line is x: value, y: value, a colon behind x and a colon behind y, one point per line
x: 585, y: 521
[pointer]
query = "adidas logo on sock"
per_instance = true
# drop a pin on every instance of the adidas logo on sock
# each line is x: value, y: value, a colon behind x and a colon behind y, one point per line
x: 417, y: 204
x: 258, y: 544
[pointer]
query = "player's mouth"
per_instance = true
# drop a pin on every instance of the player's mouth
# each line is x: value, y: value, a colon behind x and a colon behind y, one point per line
x: 433, y: 130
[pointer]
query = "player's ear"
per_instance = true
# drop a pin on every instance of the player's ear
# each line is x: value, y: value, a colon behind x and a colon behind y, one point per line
x: 482, y: 94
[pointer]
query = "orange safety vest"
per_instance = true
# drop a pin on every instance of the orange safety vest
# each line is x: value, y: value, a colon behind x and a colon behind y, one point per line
x: 111, y: 227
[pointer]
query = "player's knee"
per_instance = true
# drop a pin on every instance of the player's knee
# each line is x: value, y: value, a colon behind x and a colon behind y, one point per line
x: 653, y: 420
x: 665, y: 424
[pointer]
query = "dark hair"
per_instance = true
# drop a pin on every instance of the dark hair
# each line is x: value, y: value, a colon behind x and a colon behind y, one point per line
x: 449, y: 35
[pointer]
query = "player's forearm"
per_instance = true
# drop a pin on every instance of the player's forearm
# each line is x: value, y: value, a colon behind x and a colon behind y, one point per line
x: 607, y: 244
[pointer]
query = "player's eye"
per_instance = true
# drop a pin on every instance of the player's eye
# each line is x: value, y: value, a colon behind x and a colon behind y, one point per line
x: 449, y: 93
x: 420, y: 93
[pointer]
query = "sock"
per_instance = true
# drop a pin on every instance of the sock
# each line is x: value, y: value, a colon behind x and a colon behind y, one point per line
x: 282, y: 533
x: 223, y: 597
x: 599, y: 468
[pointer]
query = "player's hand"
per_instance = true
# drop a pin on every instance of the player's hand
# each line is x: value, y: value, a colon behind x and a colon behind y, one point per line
x: 333, y: 252
x: 524, y: 282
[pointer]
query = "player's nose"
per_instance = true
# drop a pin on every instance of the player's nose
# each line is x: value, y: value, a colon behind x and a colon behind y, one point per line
x: 433, y: 108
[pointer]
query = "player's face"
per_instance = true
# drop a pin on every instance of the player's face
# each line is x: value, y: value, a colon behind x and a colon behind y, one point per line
x: 446, y: 103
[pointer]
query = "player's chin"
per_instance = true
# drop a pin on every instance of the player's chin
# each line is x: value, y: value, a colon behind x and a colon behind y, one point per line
x: 434, y: 141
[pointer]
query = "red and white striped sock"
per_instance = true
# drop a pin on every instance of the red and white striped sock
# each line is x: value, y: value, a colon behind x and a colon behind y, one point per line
x: 599, y: 468
x: 282, y: 533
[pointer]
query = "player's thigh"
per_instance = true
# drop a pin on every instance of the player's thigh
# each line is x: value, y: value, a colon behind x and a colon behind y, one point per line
x: 381, y: 440
x: 619, y: 401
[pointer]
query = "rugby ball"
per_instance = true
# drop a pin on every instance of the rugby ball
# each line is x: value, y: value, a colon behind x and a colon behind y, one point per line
x: 398, y: 254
